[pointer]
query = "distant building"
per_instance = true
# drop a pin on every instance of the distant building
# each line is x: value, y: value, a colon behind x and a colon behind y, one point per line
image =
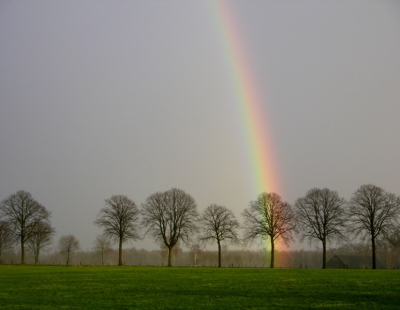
x: 353, y: 262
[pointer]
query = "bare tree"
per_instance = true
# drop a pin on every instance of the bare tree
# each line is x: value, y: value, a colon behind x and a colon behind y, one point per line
x: 102, y: 245
x: 320, y: 216
x: 270, y: 218
x: 394, y: 241
x: 41, y: 237
x: 219, y: 224
x: 6, y: 237
x: 170, y: 217
x: 372, y: 213
x: 119, y: 219
x: 196, y: 249
x: 394, y: 238
x: 24, y: 214
x: 67, y: 245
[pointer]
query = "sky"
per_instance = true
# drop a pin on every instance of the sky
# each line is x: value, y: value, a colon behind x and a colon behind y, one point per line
x: 100, y: 98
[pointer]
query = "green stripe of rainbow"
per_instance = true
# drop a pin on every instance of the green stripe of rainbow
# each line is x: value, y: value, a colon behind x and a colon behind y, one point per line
x: 254, y: 118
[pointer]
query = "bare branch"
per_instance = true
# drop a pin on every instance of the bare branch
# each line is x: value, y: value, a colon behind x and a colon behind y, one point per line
x: 394, y: 238
x: 41, y: 238
x: 6, y: 237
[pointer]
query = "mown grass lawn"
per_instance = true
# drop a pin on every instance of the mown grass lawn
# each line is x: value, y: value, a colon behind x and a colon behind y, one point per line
x: 58, y: 287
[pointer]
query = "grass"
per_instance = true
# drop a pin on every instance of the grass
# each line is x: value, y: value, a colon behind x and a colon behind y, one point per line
x: 59, y: 287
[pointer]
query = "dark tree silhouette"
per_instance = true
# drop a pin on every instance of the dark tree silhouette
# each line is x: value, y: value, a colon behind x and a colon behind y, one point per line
x: 372, y: 213
x: 270, y: 218
x: 320, y: 216
x: 119, y: 219
x: 102, y: 245
x: 218, y: 225
x: 41, y: 237
x: 170, y: 217
x: 6, y: 237
x: 67, y: 245
x: 24, y: 214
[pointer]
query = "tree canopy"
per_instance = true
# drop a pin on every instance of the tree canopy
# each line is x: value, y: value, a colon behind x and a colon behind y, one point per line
x: 320, y: 215
x: 24, y: 214
x: 119, y: 219
x: 169, y: 217
x: 219, y: 224
x: 372, y: 213
x: 269, y: 217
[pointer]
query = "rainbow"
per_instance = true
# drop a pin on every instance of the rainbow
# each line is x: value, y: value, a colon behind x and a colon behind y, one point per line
x: 251, y: 107
x: 252, y: 112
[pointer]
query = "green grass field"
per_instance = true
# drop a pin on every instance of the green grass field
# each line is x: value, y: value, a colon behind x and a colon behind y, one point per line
x: 58, y: 287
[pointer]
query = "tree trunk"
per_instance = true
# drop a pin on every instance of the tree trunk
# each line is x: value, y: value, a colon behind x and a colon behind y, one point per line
x: 219, y: 254
x: 102, y: 258
x: 68, y: 258
x: 272, y: 253
x: 22, y: 251
x: 169, y: 256
x: 120, y: 253
x: 373, y: 253
x: 324, y: 254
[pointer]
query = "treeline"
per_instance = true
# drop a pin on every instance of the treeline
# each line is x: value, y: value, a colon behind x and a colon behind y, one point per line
x: 171, y: 219
x: 208, y: 258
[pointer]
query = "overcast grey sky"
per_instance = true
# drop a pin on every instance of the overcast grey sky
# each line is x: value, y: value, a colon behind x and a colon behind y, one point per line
x: 132, y: 97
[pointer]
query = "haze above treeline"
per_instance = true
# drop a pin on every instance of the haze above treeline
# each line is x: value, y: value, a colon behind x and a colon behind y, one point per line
x: 105, y: 98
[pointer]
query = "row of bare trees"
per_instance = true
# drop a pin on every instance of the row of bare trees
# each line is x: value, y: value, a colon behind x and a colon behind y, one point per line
x: 171, y: 217
x: 25, y: 221
x: 371, y: 213
x: 321, y: 215
x: 168, y: 216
